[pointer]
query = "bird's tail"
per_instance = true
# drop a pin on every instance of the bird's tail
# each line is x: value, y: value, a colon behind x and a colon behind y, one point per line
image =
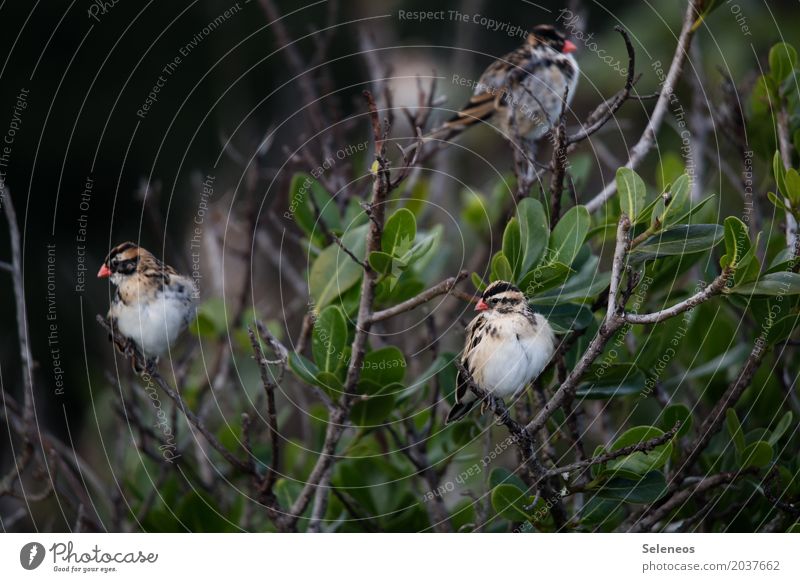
x: 478, y: 108
x: 459, y: 411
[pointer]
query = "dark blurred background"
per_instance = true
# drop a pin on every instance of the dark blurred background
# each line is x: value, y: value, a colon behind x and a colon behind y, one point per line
x: 88, y: 68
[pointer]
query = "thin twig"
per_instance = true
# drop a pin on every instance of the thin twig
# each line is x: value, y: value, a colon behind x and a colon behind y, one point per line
x: 443, y: 288
x: 647, y: 139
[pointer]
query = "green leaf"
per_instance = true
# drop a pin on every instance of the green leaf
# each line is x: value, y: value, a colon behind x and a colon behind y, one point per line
x: 566, y: 316
x: 544, y: 277
x: 780, y: 429
x: 735, y: 429
x: 613, y: 380
x: 508, y: 501
x: 329, y: 338
x: 693, y: 210
x: 782, y: 328
x: 640, y: 462
x: 780, y: 173
x: 534, y: 231
x: 333, y: 272
x: 632, y: 193
x: 512, y: 248
x: 501, y: 268
x: 678, y: 240
x: 400, y: 227
x: 598, y: 511
x: 648, y: 489
x: 737, y: 242
x: 777, y: 201
x: 569, y: 234
x: 303, y: 368
x: 757, y: 454
x: 501, y: 476
x: 375, y: 407
x: 782, y: 60
x: 580, y: 288
x: 384, y: 366
x: 677, y: 413
x: 381, y: 262
x: 679, y: 200
x: 302, y: 188
x: 330, y: 383
x: 477, y: 282
x: 792, y: 180
x: 774, y: 284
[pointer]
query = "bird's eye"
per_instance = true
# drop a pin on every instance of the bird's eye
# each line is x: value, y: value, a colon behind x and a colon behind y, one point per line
x: 113, y: 263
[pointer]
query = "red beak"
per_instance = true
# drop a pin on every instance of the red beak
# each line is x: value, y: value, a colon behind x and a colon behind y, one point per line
x: 569, y: 47
x: 481, y: 306
x: 103, y: 272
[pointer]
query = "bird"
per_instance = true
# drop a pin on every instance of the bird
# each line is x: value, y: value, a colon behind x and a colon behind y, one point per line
x: 507, y: 346
x: 523, y: 92
x: 153, y: 303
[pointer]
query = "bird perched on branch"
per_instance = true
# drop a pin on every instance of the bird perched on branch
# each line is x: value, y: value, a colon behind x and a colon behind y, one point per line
x: 507, y: 347
x: 153, y: 304
x: 522, y: 93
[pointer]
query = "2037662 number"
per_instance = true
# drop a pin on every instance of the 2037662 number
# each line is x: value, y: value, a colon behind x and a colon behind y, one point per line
x: 749, y: 565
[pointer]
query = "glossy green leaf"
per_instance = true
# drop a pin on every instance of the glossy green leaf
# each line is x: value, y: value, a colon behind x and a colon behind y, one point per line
x: 737, y: 242
x: 400, y: 228
x: 508, y: 501
x: 782, y: 61
x: 678, y: 240
x: 773, y: 284
x: 735, y: 429
x: 569, y: 234
x: 384, y: 366
x: 333, y: 272
x: 544, y: 277
x: 501, y: 268
x: 609, y: 381
x: 374, y: 408
x: 632, y: 193
x: 640, y: 462
x: 534, y: 231
x: 675, y: 413
x: 649, y: 489
x: 780, y: 429
x: 303, y: 368
x: 329, y: 338
x: 792, y: 180
x: 783, y: 328
x: 512, y: 249
x: 381, y: 262
x: 757, y: 454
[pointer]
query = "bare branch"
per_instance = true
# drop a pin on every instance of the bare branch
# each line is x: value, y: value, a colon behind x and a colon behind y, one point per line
x: 605, y: 111
x: 714, y: 288
x: 443, y: 288
x: 23, y: 333
x: 647, y: 139
x: 643, y: 447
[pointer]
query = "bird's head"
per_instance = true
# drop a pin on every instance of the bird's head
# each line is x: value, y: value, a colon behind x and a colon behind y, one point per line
x: 546, y: 35
x: 501, y: 297
x: 122, y: 261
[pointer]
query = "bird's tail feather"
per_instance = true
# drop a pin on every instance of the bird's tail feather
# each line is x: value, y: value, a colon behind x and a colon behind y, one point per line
x: 459, y: 411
